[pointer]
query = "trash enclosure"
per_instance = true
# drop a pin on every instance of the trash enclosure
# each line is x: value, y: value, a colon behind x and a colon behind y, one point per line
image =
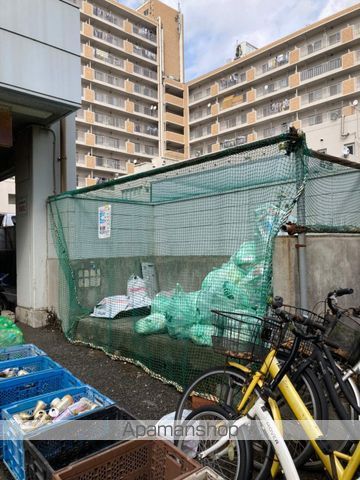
x: 144, y: 260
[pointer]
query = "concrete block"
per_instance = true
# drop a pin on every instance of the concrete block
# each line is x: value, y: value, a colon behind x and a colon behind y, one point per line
x: 36, y: 318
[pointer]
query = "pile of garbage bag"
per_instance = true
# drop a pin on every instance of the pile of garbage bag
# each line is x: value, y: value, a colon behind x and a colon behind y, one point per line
x: 10, y: 334
x: 236, y: 286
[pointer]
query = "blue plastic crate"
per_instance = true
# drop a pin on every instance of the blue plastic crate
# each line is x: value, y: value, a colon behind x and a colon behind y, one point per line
x: 20, y: 388
x: 31, y: 364
x: 14, y: 456
x: 20, y: 351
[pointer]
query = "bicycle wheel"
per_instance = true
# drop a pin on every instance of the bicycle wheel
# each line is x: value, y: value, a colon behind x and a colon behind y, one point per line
x: 344, y: 446
x: 234, y: 466
x: 224, y: 386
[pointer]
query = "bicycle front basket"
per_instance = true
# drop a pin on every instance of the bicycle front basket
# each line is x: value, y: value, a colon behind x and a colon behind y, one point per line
x: 246, y: 336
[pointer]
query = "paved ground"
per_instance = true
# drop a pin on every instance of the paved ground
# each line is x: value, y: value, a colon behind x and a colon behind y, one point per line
x: 128, y: 385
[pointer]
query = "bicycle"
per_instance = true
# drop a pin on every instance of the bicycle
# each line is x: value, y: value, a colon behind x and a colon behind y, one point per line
x: 231, y: 379
x: 272, y: 367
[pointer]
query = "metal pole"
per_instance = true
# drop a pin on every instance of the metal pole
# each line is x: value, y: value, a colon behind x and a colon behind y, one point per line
x: 301, y: 245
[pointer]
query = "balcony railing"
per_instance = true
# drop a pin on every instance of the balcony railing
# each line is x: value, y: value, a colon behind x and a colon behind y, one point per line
x: 231, y: 80
x: 146, y: 129
x: 274, y: 130
x: 109, y: 99
x: 108, y: 78
x: 147, y: 91
x: 199, y: 94
x: 233, y: 142
x: 200, y: 113
x: 200, y: 132
x: 112, y: 163
x: 233, y: 121
x: 145, y: 72
x: 146, y: 149
x: 108, y: 37
x: 108, y: 58
x: 144, y: 52
x: 151, y: 111
x: 108, y: 16
x: 322, y: 117
x: 276, y: 62
x: 80, y: 181
x: 320, y: 44
x: 109, y: 120
x: 273, y: 108
x: 111, y: 142
x: 273, y: 87
x: 80, y: 158
x: 320, y: 69
x: 144, y: 32
x: 321, y: 93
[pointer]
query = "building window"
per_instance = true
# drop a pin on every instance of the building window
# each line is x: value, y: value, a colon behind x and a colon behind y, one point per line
x: 349, y: 148
x: 146, y: 12
x: 11, y: 198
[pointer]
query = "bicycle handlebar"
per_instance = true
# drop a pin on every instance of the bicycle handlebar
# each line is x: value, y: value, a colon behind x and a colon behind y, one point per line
x: 331, y: 298
x: 289, y: 317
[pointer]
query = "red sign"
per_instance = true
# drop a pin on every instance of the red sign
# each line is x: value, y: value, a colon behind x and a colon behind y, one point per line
x: 6, y: 137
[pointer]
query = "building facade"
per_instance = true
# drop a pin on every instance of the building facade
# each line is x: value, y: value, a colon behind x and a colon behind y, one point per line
x: 132, y: 89
x: 310, y: 79
x: 138, y: 113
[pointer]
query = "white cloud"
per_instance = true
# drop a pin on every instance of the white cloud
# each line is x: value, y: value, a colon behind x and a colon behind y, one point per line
x: 213, y: 27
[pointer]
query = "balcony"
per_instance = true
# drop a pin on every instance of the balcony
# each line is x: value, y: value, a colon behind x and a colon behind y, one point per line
x: 144, y: 32
x: 108, y: 16
x: 233, y: 100
x: 146, y: 149
x: 199, y: 132
x: 322, y: 117
x: 110, y: 79
x: 199, y: 95
x: 174, y: 137
x: 146, y: 129
x: 109, y: 99
x: 144, y: 52
x: 231, y: 80
x: 173, y: 118
x: 271, y: 88
x: 233, y: 142
x: 279, y: 61
x: 320, y: 69
x: 108, y: 38
x: 173, y: 100
x: 273, y: 108
x: 146, y: 91
x: 145, y: 72
x: 320, y: 44
x: 108, y: 58
x: 110, y: 163
x: 146, y: 110
x: 109, y: 120
x: 321, y: 94
x: 109, y: 142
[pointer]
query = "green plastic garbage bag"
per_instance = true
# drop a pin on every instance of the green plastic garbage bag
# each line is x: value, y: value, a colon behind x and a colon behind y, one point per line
x: 154, y: 323
x: 161, y: 302
x: 202, y: 334
x: 11, y: 336
x: 5, y: 322
x: 181, y: 313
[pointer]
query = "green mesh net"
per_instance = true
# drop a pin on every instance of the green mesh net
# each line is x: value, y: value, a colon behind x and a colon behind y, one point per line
x: 145, y: 259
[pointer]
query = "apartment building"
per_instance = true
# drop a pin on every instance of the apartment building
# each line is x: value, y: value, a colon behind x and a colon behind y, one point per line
x: 309, y: 79
x: 138, y: 113
x: 132, y: 88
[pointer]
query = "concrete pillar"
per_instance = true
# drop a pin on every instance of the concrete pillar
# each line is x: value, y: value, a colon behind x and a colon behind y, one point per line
x: 36, y: 172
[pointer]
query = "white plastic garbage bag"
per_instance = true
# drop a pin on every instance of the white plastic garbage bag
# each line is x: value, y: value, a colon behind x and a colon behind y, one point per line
x: 190, y: 446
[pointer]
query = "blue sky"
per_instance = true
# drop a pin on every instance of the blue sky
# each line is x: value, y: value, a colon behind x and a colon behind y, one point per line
x: 213, y: 27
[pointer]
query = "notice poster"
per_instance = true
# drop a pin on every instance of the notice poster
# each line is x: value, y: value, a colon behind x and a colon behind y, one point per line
x: 104, y: 221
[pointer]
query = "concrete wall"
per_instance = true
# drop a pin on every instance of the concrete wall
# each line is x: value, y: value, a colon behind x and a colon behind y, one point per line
x: 333, y: 261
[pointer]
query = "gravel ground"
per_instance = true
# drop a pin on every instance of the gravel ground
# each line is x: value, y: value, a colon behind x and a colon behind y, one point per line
x: 126, y: 384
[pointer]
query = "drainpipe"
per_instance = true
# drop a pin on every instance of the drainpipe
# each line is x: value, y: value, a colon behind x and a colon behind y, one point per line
x: 301, y: 245
x: 63, y: 158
